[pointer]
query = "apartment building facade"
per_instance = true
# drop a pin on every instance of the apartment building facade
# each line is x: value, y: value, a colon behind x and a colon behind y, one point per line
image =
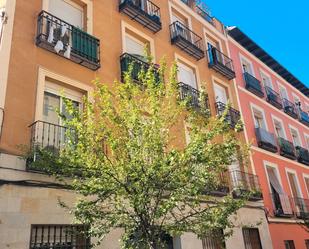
x: 275, y: 104
x: 53, y: 46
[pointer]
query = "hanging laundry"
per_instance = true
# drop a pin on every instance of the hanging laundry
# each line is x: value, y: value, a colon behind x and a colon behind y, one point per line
x: 64, y: 29
x: 50, y: 38
x: 59, y: 46
x: 67, y: 53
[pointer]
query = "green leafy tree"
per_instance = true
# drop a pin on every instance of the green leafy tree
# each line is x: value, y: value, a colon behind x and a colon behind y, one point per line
x: 126, y: 157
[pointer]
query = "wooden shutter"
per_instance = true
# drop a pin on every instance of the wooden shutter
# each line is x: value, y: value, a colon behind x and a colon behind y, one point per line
x: 293, y: 185
x: 289, y: 244
x: 252, y: 238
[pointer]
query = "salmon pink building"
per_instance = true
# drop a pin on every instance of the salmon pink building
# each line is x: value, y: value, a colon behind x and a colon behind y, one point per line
x: 275, y: 106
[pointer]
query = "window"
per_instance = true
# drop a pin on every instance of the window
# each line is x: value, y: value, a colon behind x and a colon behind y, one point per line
x: 266, y: 80
x: 259, y: 121
x: 297, y: 101
x: 281, y: 201
x: 307, y: 243
x: 68, y: 11
x: 279, y: 128
x: 220, y: 93
x: 187, y: 75
x: 295, y: 137
x: 53, y: 102
x: 307, y: 183
x: 252, y: 238
x: 294, y: 185
x: 283, y: 92
x: 177, y: 17
x: 59, y: 236
x: 289, y: 244
x: 214, y: 240
x: 136, y: 46
x: 247, y: 66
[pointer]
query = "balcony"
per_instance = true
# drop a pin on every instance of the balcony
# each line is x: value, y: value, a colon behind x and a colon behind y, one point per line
x: 193, y: 96
x: 223, y: 187
x: 273, y: 97
x: 301, y: 208
x: 46, y: 137
x: 302, y: 155
x: 232, y: 116
x: 286, y: 148
x: 187, y: 40
x: 221, y: 63
x: 204, y: 14
x: 199, y: 10
x: 266, y: 140
x: 138, y: 63
x: 61, y: 38
x: 244, y: 183
x: 253, y: 85
x: 303, y: 117
x: 144, y: 12
x: 282, y: 205
x: 289, y: 108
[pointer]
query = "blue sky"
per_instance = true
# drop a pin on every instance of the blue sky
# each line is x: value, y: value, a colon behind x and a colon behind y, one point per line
x: 281, y: 27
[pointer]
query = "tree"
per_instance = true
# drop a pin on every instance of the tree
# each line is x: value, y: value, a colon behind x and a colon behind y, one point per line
x: 124, y: 158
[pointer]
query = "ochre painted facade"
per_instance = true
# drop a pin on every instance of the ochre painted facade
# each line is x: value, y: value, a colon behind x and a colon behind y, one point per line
x: 22, y: 85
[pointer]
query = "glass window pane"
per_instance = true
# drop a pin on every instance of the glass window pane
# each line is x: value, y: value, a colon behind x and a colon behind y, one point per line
x: 50, y: 105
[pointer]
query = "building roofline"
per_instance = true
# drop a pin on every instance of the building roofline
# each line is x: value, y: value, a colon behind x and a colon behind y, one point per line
x: 261, y: 54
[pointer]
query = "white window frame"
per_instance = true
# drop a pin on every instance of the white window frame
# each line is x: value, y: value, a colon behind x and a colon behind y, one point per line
x: 207, y: 35
x: 276, y: 170
x: 291, y: 127
x: 186, y: 62
x: 262, y: 72
x: 217, y: 81
x: 291, y: 171
x: 255, y: 107
x: 283, y: 87
x: 125, y: 26
x: 242, y: 59
x: 295, y: 96
x: 172, y: 6
x: 274, y: 119
x: 43, y: 75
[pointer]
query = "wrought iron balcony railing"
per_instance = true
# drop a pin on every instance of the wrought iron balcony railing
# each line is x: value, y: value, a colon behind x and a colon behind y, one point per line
x: 206, y: 16
x: 203, y: 13
x: 266, y: 140
x: 58, y: 236
x: 62, y: 38
x: 253, y: 85
x: 289, y: 108
x: 192, y: 95
x: 301, y: 207
x: 303, y: 117
x: 273, y: 97
x: 282, y: 205
x: 243, y: 183
x: 286, y: 148
x: 232, y: 116
x: 302, y: 155
x: 221, y: 63
x: 48, y: 137
x: 138, y: 65
x: 144, y: 12
x: 224, y: 186
x: 187, y: 40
